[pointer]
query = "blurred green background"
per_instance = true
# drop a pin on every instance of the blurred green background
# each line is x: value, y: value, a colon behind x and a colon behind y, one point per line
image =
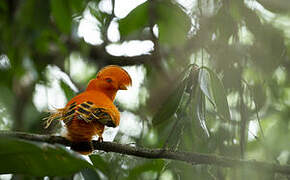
x: 208, y: 76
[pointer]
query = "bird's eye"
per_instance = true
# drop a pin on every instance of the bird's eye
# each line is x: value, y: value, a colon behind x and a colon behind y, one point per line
x: 109, y: 80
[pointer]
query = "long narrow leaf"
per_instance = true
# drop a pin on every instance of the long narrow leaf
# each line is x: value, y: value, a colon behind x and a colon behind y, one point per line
x: 219, y: 95
x: 201, y: 113
x: 170, y: 106
x: 204, y: 84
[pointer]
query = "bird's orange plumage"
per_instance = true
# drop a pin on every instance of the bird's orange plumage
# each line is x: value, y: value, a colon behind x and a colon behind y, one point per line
x: 86, y: 114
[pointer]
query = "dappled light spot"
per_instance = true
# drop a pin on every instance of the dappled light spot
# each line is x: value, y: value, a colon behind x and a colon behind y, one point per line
x: 105, y: 6
x: 130, y: 124
x: 258, y: 7
x: 113, y: 32
x: 5, y: 176
x: 135, y: 95
x: 89, y: 29
x: 167, y: 175
x: 253, y: 130
x: 4, y: 62
x: 123, y: 7
x: 76, y: 66
x: 131, y: 48
x: 51, y: 95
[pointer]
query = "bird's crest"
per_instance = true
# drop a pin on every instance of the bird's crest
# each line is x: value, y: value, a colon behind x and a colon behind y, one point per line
x: 116, y: 71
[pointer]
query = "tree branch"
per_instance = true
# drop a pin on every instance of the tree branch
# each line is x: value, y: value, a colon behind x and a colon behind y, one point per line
x: 189, y: 157
x: 99, y: 53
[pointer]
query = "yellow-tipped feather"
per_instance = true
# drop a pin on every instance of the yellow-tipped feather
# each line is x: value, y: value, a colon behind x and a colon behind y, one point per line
x: 56, y: 114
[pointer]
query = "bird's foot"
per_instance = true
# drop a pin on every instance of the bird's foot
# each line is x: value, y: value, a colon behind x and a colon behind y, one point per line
x: 100, y: 139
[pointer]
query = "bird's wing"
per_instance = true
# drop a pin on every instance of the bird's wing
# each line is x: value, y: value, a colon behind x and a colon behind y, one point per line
x: 88, y: 112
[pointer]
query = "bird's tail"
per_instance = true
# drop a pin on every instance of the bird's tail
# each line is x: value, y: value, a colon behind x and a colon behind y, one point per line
x: 54, y: 115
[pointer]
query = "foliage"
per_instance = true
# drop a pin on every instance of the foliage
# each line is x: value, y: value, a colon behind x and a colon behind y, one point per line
x: 42, y: 159
x: 216, y: 81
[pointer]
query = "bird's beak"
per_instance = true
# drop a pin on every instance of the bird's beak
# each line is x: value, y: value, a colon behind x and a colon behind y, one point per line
x: 122, y: 87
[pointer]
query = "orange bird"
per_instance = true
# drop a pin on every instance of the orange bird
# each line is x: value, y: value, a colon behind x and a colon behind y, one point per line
x: 86, y: 114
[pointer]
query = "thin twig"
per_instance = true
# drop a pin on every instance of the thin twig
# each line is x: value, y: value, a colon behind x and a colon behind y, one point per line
x: 243, y: 127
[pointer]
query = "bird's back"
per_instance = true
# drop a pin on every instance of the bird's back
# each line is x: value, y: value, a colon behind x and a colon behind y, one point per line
x: 86, y: 114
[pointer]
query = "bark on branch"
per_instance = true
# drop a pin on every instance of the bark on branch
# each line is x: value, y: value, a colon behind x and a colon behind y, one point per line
x: 100, y: 54
x: 189, y: 157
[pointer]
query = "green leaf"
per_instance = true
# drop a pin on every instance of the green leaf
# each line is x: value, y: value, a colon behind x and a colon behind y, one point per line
x: 259, y: 95
x: 200, y: 109
x: 204, y: 84
x: 277, y: 6
x: 7, y: 98
x: 173, y: 24
x: 219, y: 95
x: 153, y: 165
x: 78, y: 5
x: 99, y: 15
x: 171, y: 104
x: 100, y: 164
x: 89, y: 174
x: 34, y: 14
x: 69, y: 93
x: 61, y: 13
x: 38, y: 159
x: 135, y: 21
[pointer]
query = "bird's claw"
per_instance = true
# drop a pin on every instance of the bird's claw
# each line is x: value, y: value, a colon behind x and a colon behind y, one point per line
x: 100, y: 139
